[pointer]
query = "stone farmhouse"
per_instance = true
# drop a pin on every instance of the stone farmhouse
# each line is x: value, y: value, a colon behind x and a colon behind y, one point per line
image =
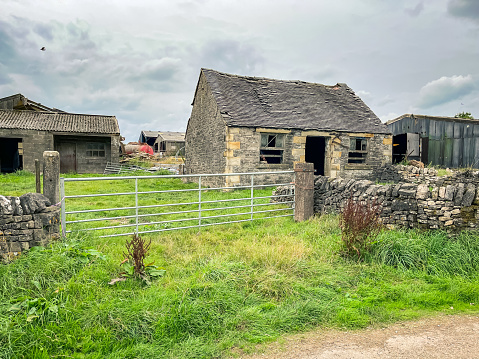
x: 250, y: 124
x: 85, y: 142
x: 442, y: 141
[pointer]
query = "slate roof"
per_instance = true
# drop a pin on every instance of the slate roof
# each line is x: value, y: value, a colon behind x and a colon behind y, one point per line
x: 58, y: 122
x: 261, y: 102
x: 172, y: 136
x: 150, y: 133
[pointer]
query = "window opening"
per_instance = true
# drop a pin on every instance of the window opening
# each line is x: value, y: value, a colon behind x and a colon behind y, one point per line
x: 95, y: 149
x: 272, y: 147
x: 358, y: 150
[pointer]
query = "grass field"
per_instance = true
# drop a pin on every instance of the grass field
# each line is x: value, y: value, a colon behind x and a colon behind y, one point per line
x: 226, y: 288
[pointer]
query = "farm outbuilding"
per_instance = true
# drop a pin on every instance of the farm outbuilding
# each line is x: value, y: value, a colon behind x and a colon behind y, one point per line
x: 85, y: 142
x: 249, y: 124
x: 165, y: 142
x: 148, y: 137
x: 442, y: 141
x: 20, y: 102
x: 170, y: 143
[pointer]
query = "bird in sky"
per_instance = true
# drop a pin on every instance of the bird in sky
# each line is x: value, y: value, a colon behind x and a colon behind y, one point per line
x: 43, y: 48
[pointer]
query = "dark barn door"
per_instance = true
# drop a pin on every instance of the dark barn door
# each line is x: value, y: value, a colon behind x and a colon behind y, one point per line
x: 68, y: 160
x: 315, y: 153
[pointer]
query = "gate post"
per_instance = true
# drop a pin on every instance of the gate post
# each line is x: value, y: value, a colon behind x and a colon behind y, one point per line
x: 51, y: 176
x: 304, y: 191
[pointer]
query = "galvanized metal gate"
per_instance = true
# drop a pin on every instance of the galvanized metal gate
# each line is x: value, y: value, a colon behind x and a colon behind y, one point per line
x: 189, y: 205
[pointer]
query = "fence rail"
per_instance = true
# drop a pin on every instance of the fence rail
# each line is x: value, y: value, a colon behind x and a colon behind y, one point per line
x: 141, y: 203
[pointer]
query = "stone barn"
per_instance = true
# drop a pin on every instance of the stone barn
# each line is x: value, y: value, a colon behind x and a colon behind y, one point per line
x: 85, y: 142
x: 250, y: 124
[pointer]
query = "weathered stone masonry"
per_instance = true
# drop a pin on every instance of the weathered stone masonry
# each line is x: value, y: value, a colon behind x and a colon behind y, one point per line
x: 27, y: 221
x: 449, y: 203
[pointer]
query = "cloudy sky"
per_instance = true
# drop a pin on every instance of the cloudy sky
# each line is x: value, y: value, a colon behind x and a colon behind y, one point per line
x: 140, y: 60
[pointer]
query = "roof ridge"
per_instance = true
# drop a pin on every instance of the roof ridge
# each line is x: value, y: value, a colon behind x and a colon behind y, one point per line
x: 271, y: 79
x: 59, y: 112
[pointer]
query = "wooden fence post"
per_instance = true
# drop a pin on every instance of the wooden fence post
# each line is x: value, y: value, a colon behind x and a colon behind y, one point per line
x: 37, y: 177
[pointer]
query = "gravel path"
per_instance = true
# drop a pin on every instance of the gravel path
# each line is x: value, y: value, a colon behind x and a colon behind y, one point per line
x: 451, y: 336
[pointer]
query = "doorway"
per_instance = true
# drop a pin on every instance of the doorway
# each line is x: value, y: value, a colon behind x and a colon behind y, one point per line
x: 68, y: 160
x: 11, y: 154
x: 315, y: 153
x: 406, y: 146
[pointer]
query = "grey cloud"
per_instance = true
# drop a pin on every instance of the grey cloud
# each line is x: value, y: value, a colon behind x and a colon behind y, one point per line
x: 444, y: 90
x: 157, y: 69
x: 4, y: 78
x: 231, y: 56
x: 44, y: 30
x: 20, y: 27
x: 7, y: 51
x: 464, y: 8
x: 415, y: 11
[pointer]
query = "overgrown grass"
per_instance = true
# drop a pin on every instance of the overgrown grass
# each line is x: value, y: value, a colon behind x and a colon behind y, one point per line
x: 433, y: 252
x: 226, y: 289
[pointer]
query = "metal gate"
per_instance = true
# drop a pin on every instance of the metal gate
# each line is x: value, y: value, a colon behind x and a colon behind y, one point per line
x: 169, y: 202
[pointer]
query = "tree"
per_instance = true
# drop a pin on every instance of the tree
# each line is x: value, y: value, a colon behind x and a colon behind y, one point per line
x: 464, y: 115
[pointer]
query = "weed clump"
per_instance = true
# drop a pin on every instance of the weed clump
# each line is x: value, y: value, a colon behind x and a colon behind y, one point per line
x: 136, y: 252
x: 134, y: 264
x: 360, y: 223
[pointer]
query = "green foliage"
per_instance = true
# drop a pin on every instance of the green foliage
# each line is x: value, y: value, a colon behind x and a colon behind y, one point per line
x: 33, y: 309
x: 463, y: 114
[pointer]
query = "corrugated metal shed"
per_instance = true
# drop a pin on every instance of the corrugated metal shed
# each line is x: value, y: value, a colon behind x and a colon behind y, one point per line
x: 445, y: 141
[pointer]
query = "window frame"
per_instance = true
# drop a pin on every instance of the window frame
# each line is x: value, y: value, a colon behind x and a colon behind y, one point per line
x: 270, y: 150
x: 95, y: 150
x: 358, y: 156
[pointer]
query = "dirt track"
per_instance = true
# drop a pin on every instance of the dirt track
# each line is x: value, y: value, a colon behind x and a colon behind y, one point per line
x: 451, y: 336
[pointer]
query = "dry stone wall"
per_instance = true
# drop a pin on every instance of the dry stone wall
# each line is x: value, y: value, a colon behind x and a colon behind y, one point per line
x: 26, y: 221
x: 426, y: 201
x: 401, y: 173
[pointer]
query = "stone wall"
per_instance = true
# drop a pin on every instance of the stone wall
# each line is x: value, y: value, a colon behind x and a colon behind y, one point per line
x: 26, y: 221
x: 242, y: 155
x: 449, y: 203
x: 33, y: 142
x: 205, y: 136
x: 399, y: 173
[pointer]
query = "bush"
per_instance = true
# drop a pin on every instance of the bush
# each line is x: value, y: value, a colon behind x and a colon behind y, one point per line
x: 360, y: 223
